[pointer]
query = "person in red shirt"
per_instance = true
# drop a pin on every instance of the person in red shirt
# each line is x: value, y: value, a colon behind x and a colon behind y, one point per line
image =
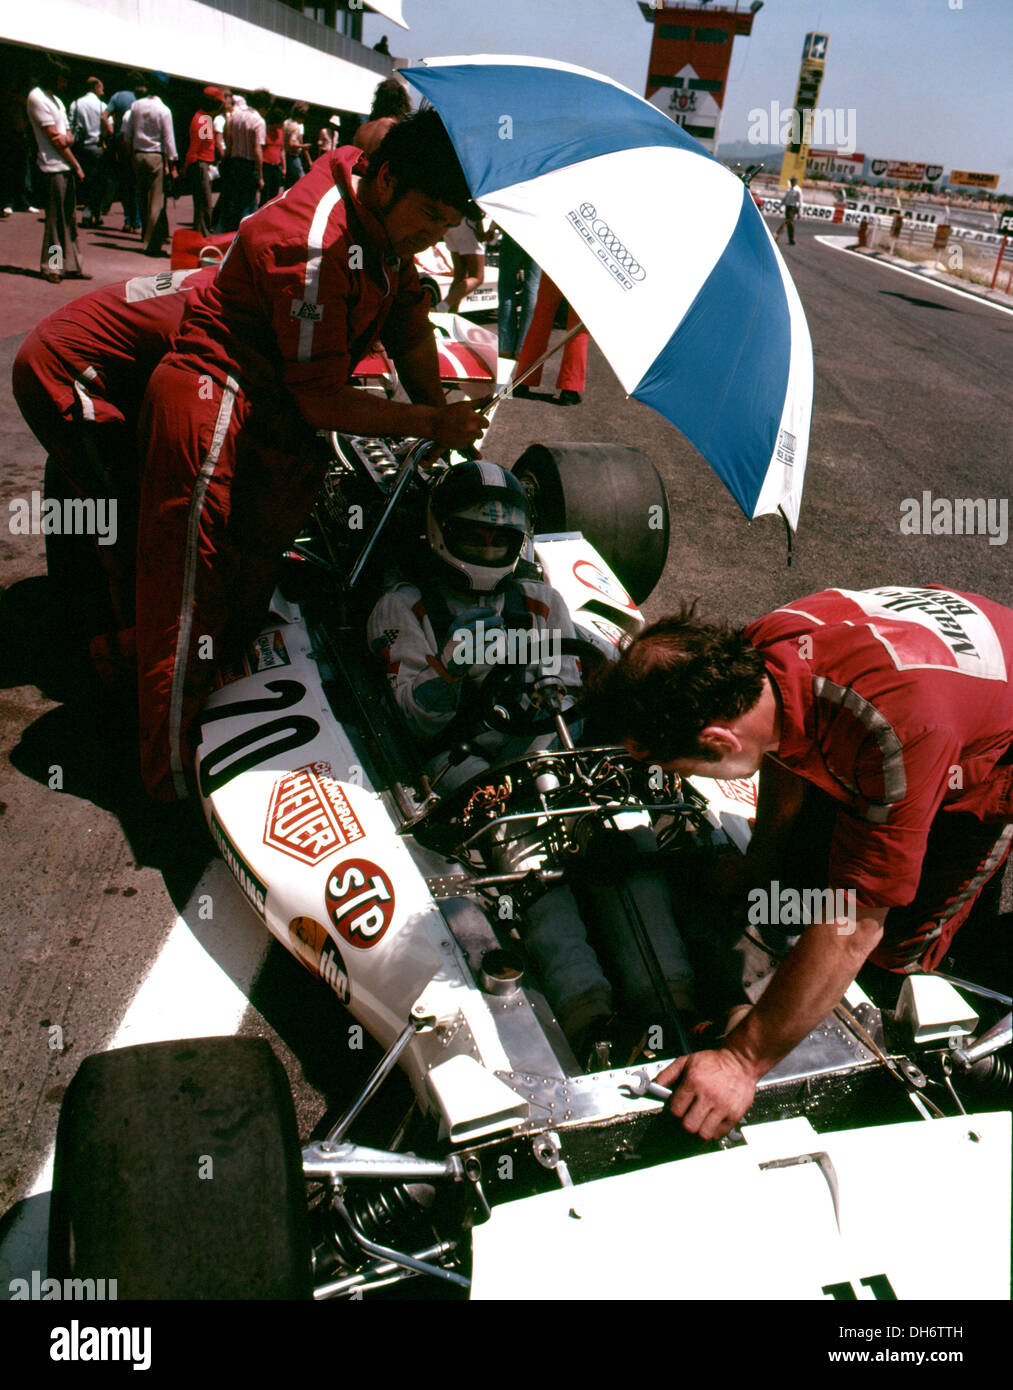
x: 274, y: 155
x: 79, y: 379
x: 261, y: 363
x: 200, y: 156
x: 893, y: 709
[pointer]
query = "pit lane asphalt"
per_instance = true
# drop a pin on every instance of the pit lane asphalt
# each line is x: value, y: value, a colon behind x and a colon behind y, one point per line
x: 912, y: 393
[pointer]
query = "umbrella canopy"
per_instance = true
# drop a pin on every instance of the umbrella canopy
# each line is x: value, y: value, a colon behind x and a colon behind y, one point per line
x: 659, y: 249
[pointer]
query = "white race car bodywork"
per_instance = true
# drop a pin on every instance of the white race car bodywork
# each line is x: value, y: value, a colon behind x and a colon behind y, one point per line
x: 791, y: 1213
x: 885, y: 1212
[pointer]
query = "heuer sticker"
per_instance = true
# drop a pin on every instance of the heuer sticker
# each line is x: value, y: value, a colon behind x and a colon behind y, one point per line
x: 360, y: 902
x: 595, y: 578
x: 309, y: 816
x: 253, y: 889
x: 316, y: 950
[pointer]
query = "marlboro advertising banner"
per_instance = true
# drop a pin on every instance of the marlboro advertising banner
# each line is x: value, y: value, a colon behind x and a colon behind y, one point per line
x: 835, y: 162
x: 909, y: 173
x: 974, y: 180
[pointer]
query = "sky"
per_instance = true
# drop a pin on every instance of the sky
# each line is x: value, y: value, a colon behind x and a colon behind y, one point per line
x: 927, y: 80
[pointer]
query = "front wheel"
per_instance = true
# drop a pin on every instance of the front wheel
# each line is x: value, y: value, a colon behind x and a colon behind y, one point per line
x: 178, y: 1173
x: 610, y: 492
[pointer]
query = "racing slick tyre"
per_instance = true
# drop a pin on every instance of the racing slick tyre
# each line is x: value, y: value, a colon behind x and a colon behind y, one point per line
x: 610, y: 492
x: 178, y: 1173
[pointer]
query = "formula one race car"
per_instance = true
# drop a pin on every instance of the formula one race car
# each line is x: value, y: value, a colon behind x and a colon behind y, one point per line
x: 529, y: 1165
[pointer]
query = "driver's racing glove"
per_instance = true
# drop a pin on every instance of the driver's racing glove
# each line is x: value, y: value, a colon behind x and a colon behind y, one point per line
x: 464, y: 653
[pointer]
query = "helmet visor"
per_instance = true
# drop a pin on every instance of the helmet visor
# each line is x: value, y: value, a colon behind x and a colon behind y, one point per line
x: 482, y: 542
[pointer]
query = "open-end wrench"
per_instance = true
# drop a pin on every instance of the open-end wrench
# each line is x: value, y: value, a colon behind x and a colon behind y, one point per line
x: 640, y: 1084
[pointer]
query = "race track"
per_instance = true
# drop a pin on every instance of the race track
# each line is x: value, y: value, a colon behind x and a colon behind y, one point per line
x: 912, y: 394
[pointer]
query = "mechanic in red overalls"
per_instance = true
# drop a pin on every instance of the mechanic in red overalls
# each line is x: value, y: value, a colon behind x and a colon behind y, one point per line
x: 261, y: 364
x: 894, y: 703
x: 79, y: 379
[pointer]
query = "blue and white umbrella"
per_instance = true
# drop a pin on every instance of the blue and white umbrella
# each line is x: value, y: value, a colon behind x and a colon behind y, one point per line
x: 658, y: 247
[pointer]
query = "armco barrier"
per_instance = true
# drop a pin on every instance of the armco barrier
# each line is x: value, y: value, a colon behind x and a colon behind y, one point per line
x: 915, y: 229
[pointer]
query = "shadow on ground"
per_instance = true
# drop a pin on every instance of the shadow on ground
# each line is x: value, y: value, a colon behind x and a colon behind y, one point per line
x: 92, y: 742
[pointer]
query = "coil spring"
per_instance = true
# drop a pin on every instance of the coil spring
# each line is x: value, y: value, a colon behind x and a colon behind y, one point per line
x: 376, y: 1215
x: 995, y: 1072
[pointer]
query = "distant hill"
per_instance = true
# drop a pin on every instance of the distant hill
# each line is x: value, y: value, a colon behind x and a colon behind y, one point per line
x: 748, y: 153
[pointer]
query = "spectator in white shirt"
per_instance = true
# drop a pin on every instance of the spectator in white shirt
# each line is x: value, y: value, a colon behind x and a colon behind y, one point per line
x: 147, y: 133
x: 245, y: 135
x: 48, y: 117
x: 90, y: 126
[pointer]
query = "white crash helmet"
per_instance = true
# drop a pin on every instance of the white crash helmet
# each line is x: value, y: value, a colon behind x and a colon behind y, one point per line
x: 476, y: 520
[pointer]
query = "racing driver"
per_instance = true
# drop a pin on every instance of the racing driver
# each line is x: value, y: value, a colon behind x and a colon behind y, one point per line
x: 261, y: 364
x: 436, y: 632
x: 890, y: 710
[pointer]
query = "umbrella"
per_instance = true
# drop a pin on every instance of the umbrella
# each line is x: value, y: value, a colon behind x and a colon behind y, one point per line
x: 660, y: 250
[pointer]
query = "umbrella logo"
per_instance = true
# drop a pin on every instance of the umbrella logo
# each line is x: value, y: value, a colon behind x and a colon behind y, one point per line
x: 621, y: 262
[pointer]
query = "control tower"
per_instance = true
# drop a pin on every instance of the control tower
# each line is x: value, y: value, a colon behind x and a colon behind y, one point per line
x: 691, y: 53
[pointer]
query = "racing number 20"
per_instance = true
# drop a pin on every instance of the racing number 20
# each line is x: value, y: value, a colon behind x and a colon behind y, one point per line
x: 253, y: 746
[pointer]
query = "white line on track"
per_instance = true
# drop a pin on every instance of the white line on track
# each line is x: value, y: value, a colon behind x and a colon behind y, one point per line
x: 838, y: 243
x: 198, y: 987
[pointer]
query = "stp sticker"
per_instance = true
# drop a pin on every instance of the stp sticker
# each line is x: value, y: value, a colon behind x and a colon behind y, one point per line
x: 360, y: 902
x: 595, y: 578
x: 309, y: 816
x: 314, y: 947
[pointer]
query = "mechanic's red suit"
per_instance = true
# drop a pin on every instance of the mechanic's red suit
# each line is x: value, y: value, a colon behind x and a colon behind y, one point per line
x: 898, y: 704
x: 232, y: 468
x: 79, y: 380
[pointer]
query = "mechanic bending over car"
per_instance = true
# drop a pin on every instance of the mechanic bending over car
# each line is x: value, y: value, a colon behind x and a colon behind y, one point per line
x: 260, y: 364
x: 882, y: 722
x: 79, y: 379
x: 461, y: 633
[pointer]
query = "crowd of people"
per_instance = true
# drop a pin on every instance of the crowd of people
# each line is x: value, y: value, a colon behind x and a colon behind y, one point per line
x: 74, y: 156
x: 73, y: 152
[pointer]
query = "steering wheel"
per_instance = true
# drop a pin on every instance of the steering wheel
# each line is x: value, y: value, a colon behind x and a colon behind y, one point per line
x: 499, y: 706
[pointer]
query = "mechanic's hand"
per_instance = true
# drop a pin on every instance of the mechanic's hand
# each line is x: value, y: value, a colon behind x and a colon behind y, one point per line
x: 458, y: 426
x: 464, y: 653
x: 714, y: 1091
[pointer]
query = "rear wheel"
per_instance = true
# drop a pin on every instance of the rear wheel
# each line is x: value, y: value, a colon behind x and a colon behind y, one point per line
x: 610, y: 492
x: 178, y: 1173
